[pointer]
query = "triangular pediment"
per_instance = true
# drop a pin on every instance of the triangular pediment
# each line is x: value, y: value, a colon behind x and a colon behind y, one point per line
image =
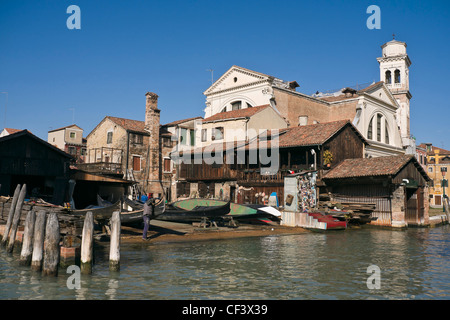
x: 236, y: 77
x: 381, y: 92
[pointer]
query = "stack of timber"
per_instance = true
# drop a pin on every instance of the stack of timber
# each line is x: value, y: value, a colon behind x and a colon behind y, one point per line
x: 69, y: 224
x: 352, y: 212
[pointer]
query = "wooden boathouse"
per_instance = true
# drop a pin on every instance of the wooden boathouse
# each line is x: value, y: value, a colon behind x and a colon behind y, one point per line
x: 397, y: 185
x: 318, y: 146
x: 25, y: 158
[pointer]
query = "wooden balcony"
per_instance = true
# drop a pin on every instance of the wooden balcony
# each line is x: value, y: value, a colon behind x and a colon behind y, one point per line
x: 102, y: 168
x: 254, y: 176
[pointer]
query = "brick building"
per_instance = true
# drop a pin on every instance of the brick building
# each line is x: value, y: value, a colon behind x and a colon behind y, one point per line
x: 69, y: 139
x: 437, y: 160
x: 128, y: 148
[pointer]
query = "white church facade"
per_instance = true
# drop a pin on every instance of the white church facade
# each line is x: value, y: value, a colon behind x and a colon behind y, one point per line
x: 379, y: 111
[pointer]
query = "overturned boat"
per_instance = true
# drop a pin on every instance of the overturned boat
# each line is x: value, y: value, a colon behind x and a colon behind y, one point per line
x: 239, y: 212
x: 177, y: 213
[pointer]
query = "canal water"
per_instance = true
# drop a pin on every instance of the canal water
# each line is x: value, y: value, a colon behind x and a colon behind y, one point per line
x: 411, y: 264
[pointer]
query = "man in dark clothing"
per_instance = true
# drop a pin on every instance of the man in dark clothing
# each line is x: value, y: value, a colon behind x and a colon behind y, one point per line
x: 149, y: 211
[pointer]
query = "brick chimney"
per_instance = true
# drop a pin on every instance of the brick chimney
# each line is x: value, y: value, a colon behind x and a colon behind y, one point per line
x: 152, y: 119
x: 151, y: 107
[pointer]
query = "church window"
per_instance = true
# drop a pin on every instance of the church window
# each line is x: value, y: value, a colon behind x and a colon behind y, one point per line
x: 369, y: 131
x: 235, y: 79
x: 397, y: 76
x: 388, y: 77
x: 224, y: 109
x: 236, y: 105
x: 379, y: 127
x: 386, y: 133
x: 249, y: 105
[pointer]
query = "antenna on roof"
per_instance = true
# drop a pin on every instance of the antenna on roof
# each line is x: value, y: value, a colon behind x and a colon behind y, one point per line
x: 212, y: 74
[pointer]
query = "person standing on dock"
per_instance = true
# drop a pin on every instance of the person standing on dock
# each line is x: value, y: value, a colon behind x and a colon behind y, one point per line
x: 149, y: 211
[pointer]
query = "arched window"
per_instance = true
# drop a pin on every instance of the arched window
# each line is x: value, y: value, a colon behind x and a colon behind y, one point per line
x: 236, y: 105
x: 369, y: 131
x: 388, y: 77
x: 386, y: 132
x: 381, y: 129
x: 397, y: 76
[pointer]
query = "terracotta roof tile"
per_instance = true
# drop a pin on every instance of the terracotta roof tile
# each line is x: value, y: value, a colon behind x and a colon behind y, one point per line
x: 11, y: 131
x: 131, y: 125
x: 241, y: 113
x: 312, y: 134
x: 174, y: 123
x: 309, y: 135
x: 366, y: 167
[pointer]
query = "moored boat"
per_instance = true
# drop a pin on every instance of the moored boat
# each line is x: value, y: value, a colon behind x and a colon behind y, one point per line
x: 240, y: 212
x: 196, y: 213
x: 100, y: 213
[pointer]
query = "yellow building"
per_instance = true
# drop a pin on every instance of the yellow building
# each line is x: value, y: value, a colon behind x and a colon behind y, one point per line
x: 438, y: 160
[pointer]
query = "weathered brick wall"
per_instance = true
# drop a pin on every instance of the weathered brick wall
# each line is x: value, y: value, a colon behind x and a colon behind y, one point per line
x: 292, y: 105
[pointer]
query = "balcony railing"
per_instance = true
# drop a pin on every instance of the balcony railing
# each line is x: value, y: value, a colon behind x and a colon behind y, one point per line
x: 101, y: 167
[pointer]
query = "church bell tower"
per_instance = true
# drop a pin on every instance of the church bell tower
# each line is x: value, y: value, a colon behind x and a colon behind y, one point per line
x: 394, y: 71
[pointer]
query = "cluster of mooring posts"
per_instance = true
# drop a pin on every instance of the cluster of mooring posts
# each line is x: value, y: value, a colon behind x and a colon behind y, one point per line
x: 42, y: 246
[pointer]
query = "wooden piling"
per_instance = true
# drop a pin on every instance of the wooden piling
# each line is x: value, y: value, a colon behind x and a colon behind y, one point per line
x: 51, y: 246
x: 87, y: 244
x: 10, y: 216
x: 114, y: 251
x: 27, y: 244
x: 38, y: 241
x: 16, y: 219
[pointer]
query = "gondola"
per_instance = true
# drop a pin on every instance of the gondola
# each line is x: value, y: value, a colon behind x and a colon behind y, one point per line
x: 239, y: 212
x: 100, y: 213
x: 134, y: 204
x: 135, y: 216
x: 198, y: 213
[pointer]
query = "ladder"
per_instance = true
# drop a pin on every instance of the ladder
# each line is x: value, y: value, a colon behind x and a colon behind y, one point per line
x: 135, y: 190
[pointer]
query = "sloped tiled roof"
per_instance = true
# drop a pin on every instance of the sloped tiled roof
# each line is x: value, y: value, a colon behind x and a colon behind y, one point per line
x: 11, y: 131
x: 314, y: 134
x: 431, y: 153
x: 70, y: 126
x: 309, y: 135
x: 128, y: 124
x: 177, y: 122
x: 241, y: 113
x: 369, y: 167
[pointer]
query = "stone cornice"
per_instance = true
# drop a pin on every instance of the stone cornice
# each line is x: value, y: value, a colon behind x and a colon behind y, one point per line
x: 395, y: 58
x: 256, y: 83
x: 257, y: 75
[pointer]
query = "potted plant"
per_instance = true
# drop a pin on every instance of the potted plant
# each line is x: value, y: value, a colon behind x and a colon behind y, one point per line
x: 327, y: 158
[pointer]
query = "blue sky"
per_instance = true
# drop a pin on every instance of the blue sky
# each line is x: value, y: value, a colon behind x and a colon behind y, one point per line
x: 54, y: 75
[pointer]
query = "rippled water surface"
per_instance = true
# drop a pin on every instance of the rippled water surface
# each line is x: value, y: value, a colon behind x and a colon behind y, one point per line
x: 414, y: 264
